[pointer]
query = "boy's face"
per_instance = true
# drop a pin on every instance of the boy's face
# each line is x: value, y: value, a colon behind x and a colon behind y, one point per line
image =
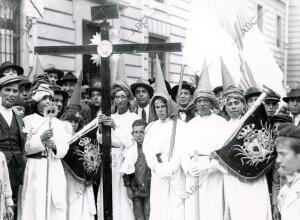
x: 275, y: 128
x: 287, y: 160
x: 138, y: 133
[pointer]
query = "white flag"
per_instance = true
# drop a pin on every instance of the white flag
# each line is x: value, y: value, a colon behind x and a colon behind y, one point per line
x: 34, y: 8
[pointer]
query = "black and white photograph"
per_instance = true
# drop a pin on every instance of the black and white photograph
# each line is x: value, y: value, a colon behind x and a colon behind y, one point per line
x: 149, y: 110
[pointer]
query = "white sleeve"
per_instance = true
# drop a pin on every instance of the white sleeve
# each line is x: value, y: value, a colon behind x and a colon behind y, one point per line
x: 60, y: 138
x: 6, y: 184
x: 33, y: 142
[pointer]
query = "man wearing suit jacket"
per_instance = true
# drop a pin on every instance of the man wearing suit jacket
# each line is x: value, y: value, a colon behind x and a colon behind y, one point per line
x: 12, y: 139
x: 187, y: 111
x: 143, y: 91
x: 293, y: 101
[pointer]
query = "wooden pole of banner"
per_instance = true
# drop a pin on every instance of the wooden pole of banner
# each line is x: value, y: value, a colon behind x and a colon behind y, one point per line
x: 174, y: 127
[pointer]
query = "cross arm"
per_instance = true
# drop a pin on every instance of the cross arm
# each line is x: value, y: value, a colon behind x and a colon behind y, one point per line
x: 117, y: 48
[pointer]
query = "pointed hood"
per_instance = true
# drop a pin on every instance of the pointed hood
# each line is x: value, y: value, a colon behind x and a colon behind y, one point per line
x: 38, y: 66
x: 227, y: 79
x: 204, y: 82
x: 75, y: 99
x: 229, y: 86
x: 160, y: 90
x: 121, y: 82
x: 160, y: 86
x: 204, y: 88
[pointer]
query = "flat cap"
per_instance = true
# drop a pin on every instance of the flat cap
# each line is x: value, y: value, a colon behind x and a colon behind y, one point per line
x: 8, y: 80
x: 273, y: 97
x: 289, y: 130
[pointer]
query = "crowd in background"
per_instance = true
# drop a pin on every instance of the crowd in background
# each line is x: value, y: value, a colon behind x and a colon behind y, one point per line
x: 146, y: 183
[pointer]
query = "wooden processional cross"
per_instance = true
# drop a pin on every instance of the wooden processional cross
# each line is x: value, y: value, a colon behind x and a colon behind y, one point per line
x: 105, y: 49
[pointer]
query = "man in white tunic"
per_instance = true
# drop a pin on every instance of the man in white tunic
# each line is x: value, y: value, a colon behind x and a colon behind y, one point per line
x: 244, y: 200
x: 35, y: 177
x: 167, y: 177
x: 120, y: 121
x: 204, y: 180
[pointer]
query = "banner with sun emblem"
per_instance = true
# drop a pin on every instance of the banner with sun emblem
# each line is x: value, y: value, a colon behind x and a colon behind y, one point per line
x: 84, y: 157
x: 251, y: 151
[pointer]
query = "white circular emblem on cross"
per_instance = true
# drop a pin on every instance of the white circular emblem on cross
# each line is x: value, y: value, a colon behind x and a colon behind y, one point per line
x: 104, y: 48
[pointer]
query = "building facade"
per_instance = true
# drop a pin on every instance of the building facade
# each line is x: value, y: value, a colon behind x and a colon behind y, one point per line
x: 24, y: 25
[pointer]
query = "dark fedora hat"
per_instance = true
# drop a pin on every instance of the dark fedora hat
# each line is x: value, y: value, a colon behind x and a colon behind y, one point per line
x: 142, y: 83
x: 294, y: 93
x: 7, y: 64
x: 68, y: 77
x: 185, y: 85
x: 85, y: 89
x: 52, y: 69
x: 58, y: 90
x: 152, y: 83
x: 217, y: 89
x: 252, y: 91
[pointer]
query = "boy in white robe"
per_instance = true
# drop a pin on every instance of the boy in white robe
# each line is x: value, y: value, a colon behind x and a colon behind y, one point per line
x: 243, y: 200
x: 167, y: 177
x: 288, y: 160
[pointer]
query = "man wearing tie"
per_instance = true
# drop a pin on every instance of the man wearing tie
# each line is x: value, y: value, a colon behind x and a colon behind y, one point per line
x: 186, y: 111
x: 143, y: 92
x: 293, y: 101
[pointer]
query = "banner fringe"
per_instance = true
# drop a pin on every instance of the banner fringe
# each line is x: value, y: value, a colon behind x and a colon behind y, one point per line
x: 237, y: 175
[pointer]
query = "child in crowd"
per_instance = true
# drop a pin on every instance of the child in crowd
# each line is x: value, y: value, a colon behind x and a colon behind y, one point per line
x: 137, y: 175
x: 288, y: 161
x: 6, y: 202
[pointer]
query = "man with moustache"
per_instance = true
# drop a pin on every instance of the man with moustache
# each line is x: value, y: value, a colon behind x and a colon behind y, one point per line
x: 143, y: 92
x: 293, y: 100
x: 12, y: 139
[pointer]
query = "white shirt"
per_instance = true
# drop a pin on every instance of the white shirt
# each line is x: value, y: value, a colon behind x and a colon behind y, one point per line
x: 7, y: 114
x: 296, y: 119
x: 289, y: 198
x: 139, y: 111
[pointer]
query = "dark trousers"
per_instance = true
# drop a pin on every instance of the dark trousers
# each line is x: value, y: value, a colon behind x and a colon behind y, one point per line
x: 16, y: 179
x: 141, y: 207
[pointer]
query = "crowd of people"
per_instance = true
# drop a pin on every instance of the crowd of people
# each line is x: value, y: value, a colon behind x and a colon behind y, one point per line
x: 158, y: 172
